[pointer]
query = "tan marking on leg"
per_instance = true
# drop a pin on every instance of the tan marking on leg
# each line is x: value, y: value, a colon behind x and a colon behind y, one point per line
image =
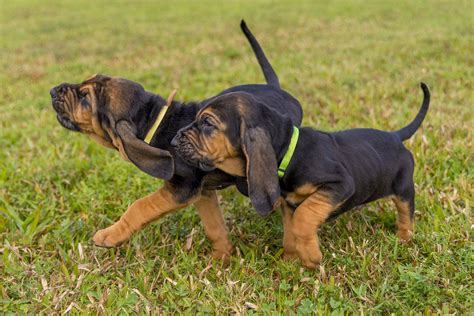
x: 404, y: 221
x: 307, y: 218
x: 140, y: 213
x: 214, y: 226
x: 306, y: 189
x: 288, y: 237
x: 301, y: 193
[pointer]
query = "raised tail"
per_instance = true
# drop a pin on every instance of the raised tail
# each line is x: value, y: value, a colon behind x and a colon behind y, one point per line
x: 411, y: 128
x: 268, y: 72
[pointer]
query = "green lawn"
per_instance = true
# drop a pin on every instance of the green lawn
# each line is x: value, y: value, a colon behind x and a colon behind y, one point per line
x: 350, y: 63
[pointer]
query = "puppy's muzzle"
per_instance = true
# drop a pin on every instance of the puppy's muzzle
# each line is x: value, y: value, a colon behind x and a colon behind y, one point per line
x: 53, y: 93
x: 65, y: 122
x: 58, y: 106
x: 54, y: 100
x: 187, y: 151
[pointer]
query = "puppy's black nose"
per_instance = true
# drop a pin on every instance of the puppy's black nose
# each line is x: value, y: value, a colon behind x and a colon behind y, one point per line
x: 174, y: 141
x: 53, y: 93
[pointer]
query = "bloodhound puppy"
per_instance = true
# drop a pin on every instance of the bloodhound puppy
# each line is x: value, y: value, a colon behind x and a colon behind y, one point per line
x: 120, y: 114
x: 320, y: 175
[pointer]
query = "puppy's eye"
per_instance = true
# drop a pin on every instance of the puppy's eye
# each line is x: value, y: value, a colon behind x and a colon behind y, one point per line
x: 207, y: 122
x: 83, y: 98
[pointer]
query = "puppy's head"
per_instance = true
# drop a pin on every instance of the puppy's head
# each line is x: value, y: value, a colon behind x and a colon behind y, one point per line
x: 232, y: 133
x: 107, y: 109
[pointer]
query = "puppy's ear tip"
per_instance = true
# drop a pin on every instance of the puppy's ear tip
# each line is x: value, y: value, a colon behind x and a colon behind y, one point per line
x: 264, y: 205
x: 165, y: 175
x: 263, y: 211
x: 154, y: 161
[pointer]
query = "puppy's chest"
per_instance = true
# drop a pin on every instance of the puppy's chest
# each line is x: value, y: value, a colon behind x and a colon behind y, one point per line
x: 297, y: 195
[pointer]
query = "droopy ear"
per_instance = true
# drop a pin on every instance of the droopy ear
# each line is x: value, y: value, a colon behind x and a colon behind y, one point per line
x: 154, y: 161
x: 262, y: 177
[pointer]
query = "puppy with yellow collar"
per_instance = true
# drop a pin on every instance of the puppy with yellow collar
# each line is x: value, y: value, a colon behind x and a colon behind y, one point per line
x: 120, y: 114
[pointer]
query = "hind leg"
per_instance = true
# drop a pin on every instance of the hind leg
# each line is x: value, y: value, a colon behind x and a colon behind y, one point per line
x: 405, y: 201
x: 404, y: 222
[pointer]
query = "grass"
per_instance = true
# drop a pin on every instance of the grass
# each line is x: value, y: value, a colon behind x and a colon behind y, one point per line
x: 350, y: 63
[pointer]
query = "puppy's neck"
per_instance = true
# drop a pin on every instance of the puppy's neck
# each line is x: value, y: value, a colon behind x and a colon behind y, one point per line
x: 280, y: 135
x: 149, y: 114
x: 177, y: 115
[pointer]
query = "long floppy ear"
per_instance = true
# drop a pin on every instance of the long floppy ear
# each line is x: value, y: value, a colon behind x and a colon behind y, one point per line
x: 154, y: 161
x: 262, y: 177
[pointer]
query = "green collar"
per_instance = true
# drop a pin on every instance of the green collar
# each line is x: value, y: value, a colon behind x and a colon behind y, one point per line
x: 289, y: 153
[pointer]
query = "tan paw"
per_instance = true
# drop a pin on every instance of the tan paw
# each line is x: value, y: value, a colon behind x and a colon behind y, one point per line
x: 309, y: 253
x: 222, y: 253
x: 112, y: 236
x: 221, y: 256
x: 404, y: 235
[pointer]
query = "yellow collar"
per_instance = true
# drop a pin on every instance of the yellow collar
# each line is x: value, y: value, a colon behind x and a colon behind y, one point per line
x: 160, y: 117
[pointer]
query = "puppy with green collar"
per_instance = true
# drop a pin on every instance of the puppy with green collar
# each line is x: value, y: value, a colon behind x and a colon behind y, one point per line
x: 320, y: 175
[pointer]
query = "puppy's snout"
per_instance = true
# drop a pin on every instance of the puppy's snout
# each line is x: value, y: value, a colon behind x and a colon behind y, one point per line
x: 174, y: 141
x: 179, y: 138
x: 53, y: 93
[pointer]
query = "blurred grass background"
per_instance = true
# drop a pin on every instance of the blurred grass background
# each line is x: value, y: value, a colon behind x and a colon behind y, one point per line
x: 350, y: 63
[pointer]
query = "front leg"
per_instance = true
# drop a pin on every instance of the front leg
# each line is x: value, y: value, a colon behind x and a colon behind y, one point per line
x: 139, y: 214
x: 214, y: 226
x: 288, y: 237
x: 307, y: 218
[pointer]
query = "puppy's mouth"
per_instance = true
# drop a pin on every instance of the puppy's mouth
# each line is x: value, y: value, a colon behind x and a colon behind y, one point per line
x: 187, y: 151
x: 65, y: 122
x: 57, y: 105
x: 62, y: 119
x: 205, y: 166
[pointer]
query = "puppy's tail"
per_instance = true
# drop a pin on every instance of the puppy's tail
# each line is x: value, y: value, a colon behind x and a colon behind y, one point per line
x: 411, y: 128
x: 267, y: 69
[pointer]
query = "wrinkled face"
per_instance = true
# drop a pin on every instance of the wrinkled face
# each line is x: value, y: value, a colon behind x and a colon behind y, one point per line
x: 113, y: 112
x: 212, y: 141
x: 208, y: 143
x: 72, y: 103
x: 93, y: 106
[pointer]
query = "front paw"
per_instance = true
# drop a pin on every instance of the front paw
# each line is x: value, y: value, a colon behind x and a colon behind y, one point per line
x: 222, y: 253
x: 112, y: 236
x: 221, y: 256
x: 404, y: 235
x: 309, y: 253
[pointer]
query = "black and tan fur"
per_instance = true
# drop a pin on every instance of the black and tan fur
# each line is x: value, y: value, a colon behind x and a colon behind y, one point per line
x: 118, y: 113
x: 329, y: 173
